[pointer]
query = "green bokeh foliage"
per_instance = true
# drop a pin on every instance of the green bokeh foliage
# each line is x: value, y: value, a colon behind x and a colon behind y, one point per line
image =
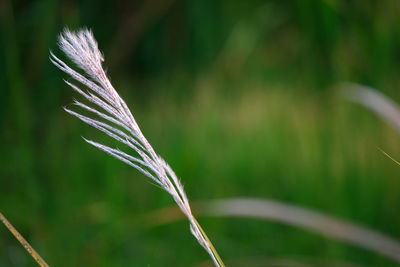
x: 238, y: 96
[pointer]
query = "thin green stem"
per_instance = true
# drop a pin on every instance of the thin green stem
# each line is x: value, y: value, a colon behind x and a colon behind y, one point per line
x: 217, y: 259
x: 387, y: 155
x: 23, y: 242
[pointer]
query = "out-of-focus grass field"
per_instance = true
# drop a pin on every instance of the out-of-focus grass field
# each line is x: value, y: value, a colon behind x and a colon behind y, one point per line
x: 239, y: 97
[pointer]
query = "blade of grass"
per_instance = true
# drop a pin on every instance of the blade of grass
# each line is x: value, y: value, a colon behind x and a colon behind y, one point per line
x: 293, y: 215
x: 375, y: 101
x: 23, y: 242
x: 387, y: 155
x: 117, y: 121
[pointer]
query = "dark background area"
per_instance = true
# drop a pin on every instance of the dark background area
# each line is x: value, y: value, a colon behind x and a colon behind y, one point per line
x: 238, y: 96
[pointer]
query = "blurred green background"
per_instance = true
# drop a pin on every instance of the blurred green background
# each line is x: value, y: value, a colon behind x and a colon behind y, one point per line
x: 238, y: 96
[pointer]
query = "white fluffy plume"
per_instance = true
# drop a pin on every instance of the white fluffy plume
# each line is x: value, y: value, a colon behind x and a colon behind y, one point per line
x: 112, y: 116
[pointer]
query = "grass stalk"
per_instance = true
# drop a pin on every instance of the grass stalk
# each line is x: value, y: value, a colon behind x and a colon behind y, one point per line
x: 214, y: 254
x: 23, y: 242
x: 114, y: 118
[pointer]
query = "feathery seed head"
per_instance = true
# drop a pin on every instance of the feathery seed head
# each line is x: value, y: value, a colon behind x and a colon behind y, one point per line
x: 113, y: 117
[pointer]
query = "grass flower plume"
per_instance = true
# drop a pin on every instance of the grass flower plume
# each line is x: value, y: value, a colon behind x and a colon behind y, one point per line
x: 111, y: 115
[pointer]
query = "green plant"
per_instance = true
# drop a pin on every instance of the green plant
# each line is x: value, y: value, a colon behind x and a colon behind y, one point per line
x: 119, y: 123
